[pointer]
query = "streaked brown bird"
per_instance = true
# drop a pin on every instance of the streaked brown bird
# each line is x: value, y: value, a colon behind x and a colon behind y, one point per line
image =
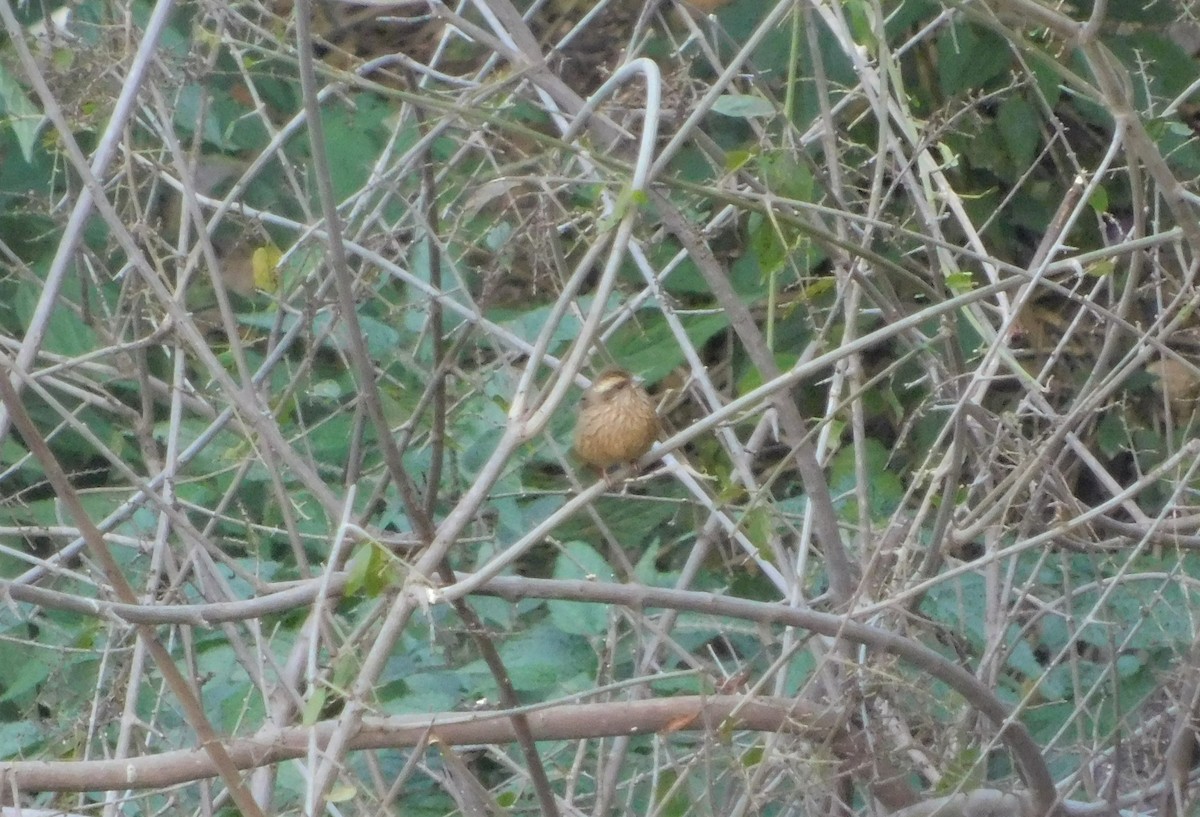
x: 617, y: 420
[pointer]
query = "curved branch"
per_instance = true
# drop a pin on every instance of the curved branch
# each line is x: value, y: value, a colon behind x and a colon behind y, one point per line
x: 1011, y: 731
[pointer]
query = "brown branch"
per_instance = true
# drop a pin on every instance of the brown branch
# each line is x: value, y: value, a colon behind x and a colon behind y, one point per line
x: 637, y: 597
x: 691, y: 713
x: 1010, y: 730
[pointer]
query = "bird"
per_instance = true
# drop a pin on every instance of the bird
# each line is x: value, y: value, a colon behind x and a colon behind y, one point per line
x: 617, y: 421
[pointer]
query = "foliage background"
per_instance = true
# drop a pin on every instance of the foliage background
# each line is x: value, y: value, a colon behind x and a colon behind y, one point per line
x: 295, y: 303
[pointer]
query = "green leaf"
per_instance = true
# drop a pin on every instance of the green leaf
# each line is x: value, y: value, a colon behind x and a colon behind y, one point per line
x: 1017, y: 121
x: 311, y: 712
x: 744, y: 106
x: 758, y: 522
x: 20, y: 739
x: 66, y: 333
x: 646, y: 570
x: 737, y: 159
x: 580, y: 561
x: 861, y: 28
x: 767, y: 246
x: 341, y: 793
x: 18, y: 113
x: 426, y: 691
x: 354, y: 138
x: 1047, y: 75
x: 959, y: 604
x: 528, y: 323
x: 884, y: 490
x: 965, y: 772
x: 960, y: 282
x: 671, y: 798
x: 1129, y: 664
x: 31, y: 673
x: 786, y: 175
x: 382, y: 340
x: 651, y: 350
x: 545, y: 658
x: 1111, y: 435
x: 370, y: 570
x: 969, y: 57
x: 194, y: 111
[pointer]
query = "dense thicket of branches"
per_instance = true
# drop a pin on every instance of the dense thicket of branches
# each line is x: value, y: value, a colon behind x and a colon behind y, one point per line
x: 295, y: 307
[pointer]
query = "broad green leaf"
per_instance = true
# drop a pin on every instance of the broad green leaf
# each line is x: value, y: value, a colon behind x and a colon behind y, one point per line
x: 18, y: 113
x: 546, y: 658
x: 1017, y: 120
x: 884, y: 488
x: 969, y: 57
x: 313, y: 706
x: 370, y: 570
x: 787, y: 175
x: 671, y: 798
x: 31, y: 673
x: 580, y: 561
x: 21, y: 739
x: 650, y: 350
x: 744, y: 106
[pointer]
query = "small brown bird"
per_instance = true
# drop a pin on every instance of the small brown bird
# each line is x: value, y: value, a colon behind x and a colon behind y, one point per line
x: 617, y: 421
